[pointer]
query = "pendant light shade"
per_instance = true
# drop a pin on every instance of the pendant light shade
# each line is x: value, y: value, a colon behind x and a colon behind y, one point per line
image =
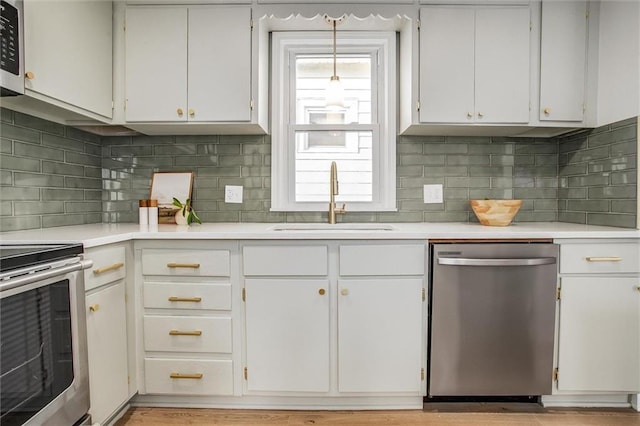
x: 335, y: 92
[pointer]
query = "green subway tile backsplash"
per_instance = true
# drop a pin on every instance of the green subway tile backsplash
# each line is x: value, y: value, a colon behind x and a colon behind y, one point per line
x: 54, y: 175
x: 48, y: 174
x: 598, y: 175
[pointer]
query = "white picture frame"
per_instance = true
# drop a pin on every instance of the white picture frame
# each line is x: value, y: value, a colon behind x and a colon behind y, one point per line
x: 167, y: 185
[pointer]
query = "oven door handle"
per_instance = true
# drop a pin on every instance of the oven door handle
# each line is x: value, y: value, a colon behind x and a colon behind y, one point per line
x: 43, y: 275
x: 462, y: 261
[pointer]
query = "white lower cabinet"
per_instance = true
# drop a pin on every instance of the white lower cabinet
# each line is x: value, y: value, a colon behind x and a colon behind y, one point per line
x: 599, y: 334
x: 107, y: 332
x: 344, y: 326
x: 379, y: 335
x: 287, y: 333
x: 188, y: 376
x: 599, y: 329
x: 187, y: 325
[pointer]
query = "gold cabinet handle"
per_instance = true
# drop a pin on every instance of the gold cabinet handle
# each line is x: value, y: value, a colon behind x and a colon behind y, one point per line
x: 603, y: 259
x: 29, y: 75
x: 185, y: 299
x: 469, y: 115
x: 108, y: 268
x: 547, y: 111
x: 180, y: 112
x: 321, y: 292
x: 480, y: 115
x: 185, y: 333
x: 344, y: 292
x: 192, y: 112
x: 94, y: 308
x: 183, y: 265
x: 196, y: 376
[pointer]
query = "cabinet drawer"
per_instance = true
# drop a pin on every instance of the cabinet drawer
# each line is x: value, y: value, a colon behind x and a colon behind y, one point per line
x: 599, y: 258
x: 285, y: 260
x: 187, y: 334
x: 212, y: 263
x: 188, y: 376
x: 187, y: 295
x: 394, y: 259
x: 108, y: 266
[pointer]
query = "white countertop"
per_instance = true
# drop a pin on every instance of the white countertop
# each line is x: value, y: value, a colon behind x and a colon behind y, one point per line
x: 101, y: 234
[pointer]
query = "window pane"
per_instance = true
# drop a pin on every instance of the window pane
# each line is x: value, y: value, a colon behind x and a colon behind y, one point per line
x: 351, y: 150
x: 312, y: 78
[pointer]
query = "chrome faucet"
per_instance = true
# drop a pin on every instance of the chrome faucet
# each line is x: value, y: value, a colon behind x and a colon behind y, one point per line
x: 333, y: 190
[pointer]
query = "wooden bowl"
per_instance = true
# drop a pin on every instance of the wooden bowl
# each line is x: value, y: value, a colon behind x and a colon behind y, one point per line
x: 495, y: 212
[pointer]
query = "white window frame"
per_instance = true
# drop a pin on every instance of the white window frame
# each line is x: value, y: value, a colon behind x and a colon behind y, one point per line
x: 284, y: 46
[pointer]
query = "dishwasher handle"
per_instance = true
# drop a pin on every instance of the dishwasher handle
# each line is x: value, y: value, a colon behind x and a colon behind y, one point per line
x: 464, y: 261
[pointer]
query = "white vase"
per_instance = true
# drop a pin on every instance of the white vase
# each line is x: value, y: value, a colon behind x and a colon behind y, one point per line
x: 180, y: 218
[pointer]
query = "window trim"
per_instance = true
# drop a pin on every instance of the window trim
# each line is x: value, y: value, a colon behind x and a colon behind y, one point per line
x: 283, y: 146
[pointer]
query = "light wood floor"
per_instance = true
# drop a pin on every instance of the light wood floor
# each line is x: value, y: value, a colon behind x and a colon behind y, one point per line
x: 449, y: 415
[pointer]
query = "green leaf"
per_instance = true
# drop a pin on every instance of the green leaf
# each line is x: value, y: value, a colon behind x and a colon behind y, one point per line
x: 177, y: 202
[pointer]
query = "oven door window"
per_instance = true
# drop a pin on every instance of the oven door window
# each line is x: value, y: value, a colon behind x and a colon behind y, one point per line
x: 36, y: 361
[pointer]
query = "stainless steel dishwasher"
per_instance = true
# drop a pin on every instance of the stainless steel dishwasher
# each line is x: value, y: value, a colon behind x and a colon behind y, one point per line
x: 492, y: 319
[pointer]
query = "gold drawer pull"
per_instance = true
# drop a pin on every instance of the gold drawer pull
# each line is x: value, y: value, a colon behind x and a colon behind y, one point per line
x: 603, y: 259
x: 94, y: 308
x: 185, y: 333
x: 196, y: 376
x: 183, y: 265
x: 185, y: 299
x: 108, y: 268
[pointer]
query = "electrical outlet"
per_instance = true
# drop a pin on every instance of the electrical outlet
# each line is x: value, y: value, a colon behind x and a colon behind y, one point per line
x: 232, y: 194
x: 433, y: 194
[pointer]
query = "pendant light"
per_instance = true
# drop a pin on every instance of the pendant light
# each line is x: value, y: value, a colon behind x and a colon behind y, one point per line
x: 335, y: 92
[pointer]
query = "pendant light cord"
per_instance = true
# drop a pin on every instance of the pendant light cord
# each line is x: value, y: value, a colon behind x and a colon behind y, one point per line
x: 335, y: 75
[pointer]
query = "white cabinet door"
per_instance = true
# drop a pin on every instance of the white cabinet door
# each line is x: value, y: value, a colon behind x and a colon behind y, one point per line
x: 599, y: 341
x: 156, y: 64
x: 446, y: 65
x: 563, y: 60
x: 219, y: 64
x: 474, y: 65
x: 68, y: 51
x: 287, y: 332
x: 380, y: 335
x: 502, y: 65
x: 107, y: 350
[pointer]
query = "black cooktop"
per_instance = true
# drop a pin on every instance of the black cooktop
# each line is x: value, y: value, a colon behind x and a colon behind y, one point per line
x: 14, y: 256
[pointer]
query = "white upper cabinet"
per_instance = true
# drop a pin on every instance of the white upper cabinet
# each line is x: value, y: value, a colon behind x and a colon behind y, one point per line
x: 563, y: 60
x: 188, y: 64
x: 474, y: 64
x: 68, y: 54
x: 447, y: 64
x: 156, y: 64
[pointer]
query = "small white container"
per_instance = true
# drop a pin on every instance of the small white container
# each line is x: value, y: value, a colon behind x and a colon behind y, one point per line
x: 143, y: 212
x: 153, y: 212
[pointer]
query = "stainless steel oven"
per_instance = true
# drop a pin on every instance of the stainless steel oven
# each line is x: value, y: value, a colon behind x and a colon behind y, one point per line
x: 43, y: 357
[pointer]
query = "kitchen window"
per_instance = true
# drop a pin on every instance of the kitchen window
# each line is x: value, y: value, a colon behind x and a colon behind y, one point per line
x: 308, y: 134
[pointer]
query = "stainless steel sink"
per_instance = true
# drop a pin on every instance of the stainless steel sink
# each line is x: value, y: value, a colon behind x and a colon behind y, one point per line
x: 332, y: 227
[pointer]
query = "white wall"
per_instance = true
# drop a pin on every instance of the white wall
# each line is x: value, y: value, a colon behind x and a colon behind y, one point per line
x: 619, y: 61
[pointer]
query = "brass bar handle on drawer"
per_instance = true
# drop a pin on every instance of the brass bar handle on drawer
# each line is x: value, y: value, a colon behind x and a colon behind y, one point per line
x: 185, y: 333
x: 94, y: 308
x: 603, y: 259
x: 183, y: 265
x: 196, y: 376
x: 108, y: 268
x: 185, y: 299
